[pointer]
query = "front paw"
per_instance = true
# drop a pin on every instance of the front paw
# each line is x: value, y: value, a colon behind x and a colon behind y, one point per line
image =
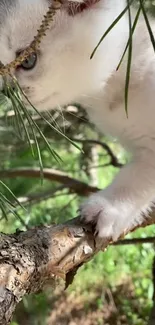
x: 107, y: 215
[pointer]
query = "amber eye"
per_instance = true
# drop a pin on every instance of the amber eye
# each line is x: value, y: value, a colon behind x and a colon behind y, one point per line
x: 30, y: 62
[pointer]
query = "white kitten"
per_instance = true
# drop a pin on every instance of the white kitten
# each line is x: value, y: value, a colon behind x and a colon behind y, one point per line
x: 64, y: 73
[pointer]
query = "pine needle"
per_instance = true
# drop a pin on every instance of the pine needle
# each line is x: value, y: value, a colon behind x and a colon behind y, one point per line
x: 128, y: 70
x: 132, y: 31
x: 111, y: 27
x: 147, y: 24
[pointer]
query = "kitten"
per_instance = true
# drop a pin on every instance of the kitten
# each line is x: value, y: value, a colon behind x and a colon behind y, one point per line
x: 61, y: 72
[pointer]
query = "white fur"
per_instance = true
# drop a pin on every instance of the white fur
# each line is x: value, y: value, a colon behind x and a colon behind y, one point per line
x: 65, y: 74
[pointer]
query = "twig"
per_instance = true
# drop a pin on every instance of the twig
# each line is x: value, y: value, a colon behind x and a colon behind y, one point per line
x: 135, y: 241
x: 39, y: 197
x: 113, y: 159
x: 73, y: 184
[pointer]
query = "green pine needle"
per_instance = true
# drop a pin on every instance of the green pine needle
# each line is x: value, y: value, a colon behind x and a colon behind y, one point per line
x: 147, y: 23
x: 10, y: 192
x: 128, y: 42
x: 128, y: 70
x: 111, y: 27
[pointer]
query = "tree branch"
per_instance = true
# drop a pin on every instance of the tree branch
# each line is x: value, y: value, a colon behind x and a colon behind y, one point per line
x: 74, y: 185
x: 29, y: 260
x: 135, y: 241
x: 39, y: 197
x: 113, y: 159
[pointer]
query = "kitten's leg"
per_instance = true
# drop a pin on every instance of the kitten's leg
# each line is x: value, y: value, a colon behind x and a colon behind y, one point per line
x: 121, y: 205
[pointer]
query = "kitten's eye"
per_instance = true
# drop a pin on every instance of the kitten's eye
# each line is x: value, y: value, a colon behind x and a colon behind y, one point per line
x: 30, y: 62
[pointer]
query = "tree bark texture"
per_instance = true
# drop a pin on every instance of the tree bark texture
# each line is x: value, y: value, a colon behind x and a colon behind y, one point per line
x: 30, y: 260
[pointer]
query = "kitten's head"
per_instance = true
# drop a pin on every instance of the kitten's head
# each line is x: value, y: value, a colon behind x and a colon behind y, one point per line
x: 61, y: 70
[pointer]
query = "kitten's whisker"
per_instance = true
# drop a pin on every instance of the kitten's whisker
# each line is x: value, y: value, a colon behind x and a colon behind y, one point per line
x: 63, y: 117
x: 53, y: 120
x: 91, y: 97
x: 78, y: 117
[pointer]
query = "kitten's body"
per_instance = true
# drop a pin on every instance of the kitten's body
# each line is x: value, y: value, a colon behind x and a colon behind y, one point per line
x: 64, y: 73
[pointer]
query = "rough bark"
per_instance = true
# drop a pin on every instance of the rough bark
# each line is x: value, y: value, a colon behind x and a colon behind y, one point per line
x: 29, y: 260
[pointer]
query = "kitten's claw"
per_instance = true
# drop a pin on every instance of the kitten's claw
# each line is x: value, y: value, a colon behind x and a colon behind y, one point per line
x: 107, y: 217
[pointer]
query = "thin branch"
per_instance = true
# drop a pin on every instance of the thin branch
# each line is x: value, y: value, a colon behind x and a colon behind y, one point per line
x: 113, y: 159
x: 39, y: 197
x: 100, y: 166
x: 50, y: 174
x: 68, y: 203
x: 135, y: 241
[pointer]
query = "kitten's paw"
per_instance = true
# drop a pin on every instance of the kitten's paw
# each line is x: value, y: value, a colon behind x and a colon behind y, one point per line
x: 107, y: 216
